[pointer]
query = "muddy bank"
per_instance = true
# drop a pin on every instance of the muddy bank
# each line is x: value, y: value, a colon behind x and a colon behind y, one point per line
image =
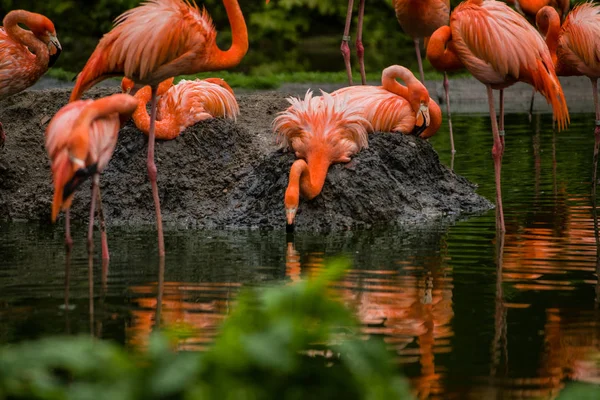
x: 230, y: 174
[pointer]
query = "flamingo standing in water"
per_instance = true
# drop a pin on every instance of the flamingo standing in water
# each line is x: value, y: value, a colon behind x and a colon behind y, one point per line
x: 575, y: 48
x: 25, y: 55
x: 393, y: 107
x: 321, y: 131
x: 80, y: 140
x: 184, y: 105
x: 420, y: 18
x: 158, y: 40
x: 479, y: 34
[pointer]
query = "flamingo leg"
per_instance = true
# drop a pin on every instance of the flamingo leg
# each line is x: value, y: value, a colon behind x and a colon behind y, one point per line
x: 345, y: 47
x: 447, y: 90
x: 501, y: 119
x: 531, y: 105
x: 419, y: 61
x: 152, y: 174
x: 497, y: 152
x: 68, y: 238
x: 90, y: 236
x: 596, y: 134
x: 102, y: 222
x: 360, y: 50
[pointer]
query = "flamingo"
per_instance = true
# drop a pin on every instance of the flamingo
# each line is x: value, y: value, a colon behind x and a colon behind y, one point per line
x: 499, y: 47
x: 25, y: 55
x: 530, y: 8
x: 445, y: 61
x: 80, y: 140
x: 321, y: 131
x: 575, y: 48
x: 393, y: 107
x: 158, y: 40
x: 420, y: 18
x: 184, y: 105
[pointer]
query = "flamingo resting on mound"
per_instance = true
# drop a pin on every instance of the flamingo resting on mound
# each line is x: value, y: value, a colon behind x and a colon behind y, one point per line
x: 499, y: 47
x: 80, y: 140
x: 393, y: 107
x: 575, y: 48
x: 419, y: 19
x: 184, y: 105
x: 25, y: 55
x: 321, y: 131
x: 157, y: 40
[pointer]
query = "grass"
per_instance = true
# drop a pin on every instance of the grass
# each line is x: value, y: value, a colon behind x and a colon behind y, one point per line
x: 264, y: 81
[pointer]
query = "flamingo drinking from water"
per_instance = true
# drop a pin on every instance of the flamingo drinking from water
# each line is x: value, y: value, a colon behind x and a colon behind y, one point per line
x: 80, y: 140
x: 25, y: 55
x: 321, y: 131
x: 158, y: 40
x: 184, y: 105
x: 499, y: 47
x: 393, y: 107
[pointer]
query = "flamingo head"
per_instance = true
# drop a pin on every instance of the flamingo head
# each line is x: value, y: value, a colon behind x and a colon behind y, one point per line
x: 419, y: 101
x: 44, y: 30
x: 127, y: 86
x: 291, y: 202
x: 220, y: 82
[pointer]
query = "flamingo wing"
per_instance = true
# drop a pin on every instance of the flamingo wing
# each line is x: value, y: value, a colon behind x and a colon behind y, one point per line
x: 59, y: 128
x: 147, y: 38
x: 18, y: 69
x: 579, y: 42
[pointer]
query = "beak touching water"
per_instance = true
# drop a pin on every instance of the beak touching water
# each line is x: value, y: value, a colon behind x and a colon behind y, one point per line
x: 54, y: 48
x: 423, y: 119
x: 290, y: 215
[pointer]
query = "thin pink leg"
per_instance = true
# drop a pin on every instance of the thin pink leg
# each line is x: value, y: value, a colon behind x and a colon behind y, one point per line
x: 345, y: 48
x: 501, y: 119
x: 447, y: 90
x: 497, y: 152
x: 68, y: 238
x: 531, y: 105
x: 360, y: 50
x: 418, y: 50
x: 596, y: 135
x: 90, y: 236
x: 152, y: 175
x: 102, y: 222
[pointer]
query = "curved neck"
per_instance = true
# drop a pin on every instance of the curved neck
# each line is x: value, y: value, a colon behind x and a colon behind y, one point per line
x: 439, y: 55
x: 306, y: 178
x: 140, y: 116
x: 413, y: 90
x: 239, y: 46
x: 26, y: 38
x: 167, y: 127
x: 548, y: 23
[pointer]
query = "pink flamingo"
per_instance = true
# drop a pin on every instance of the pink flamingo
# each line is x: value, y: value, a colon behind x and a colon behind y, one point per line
x: 321, y: 131
x: 478, y: 33
x: 158, y: 40
x: 80, y: 140
x: 184, y: 105
x: 25, y: 55
x: 393, y: 107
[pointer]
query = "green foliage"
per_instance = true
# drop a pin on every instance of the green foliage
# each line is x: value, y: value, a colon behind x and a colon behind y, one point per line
x: 291, y: 342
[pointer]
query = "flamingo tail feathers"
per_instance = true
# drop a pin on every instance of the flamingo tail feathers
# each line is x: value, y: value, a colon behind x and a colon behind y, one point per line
x: 546, y: 82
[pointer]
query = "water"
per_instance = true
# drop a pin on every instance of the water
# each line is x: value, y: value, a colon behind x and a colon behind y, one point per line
x: 467, y: 313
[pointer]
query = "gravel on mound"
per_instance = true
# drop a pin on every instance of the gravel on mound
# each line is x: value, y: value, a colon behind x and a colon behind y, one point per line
x: 221, y: 173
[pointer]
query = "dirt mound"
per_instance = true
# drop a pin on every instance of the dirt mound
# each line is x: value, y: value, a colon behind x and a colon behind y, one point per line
x: 229, y: 174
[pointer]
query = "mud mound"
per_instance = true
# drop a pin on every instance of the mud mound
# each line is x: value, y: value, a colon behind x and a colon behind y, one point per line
x: 228, y: 174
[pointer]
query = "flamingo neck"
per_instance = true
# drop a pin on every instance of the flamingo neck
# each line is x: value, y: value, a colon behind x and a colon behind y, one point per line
x: 439, y: 53
x: 413, y: 90
x: 307, y: 179
x: 167, y: 127
x: 27, y: 38
x: 230, y: 58
x: 548, y: 23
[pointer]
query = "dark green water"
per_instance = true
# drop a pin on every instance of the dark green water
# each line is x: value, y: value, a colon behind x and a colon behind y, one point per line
x: 469, y: 314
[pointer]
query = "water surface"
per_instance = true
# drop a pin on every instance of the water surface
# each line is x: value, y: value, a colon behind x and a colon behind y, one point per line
x: 467, y: 313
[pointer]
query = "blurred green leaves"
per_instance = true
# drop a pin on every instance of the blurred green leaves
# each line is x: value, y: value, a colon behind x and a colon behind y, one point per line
x: 290, y: 342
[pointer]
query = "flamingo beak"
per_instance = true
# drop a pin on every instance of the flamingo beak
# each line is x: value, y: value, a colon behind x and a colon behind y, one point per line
x: 54, y: 49
x: 423, y: 120
x: 290, y: 214
x: 78, y: 178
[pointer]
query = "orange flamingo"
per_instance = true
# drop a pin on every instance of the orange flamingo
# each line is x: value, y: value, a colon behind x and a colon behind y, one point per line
x: 530, y: 8
x: 321, y: 131
x: 80, y: 140
x: 575, y: 49
x: 420, y: 18
x: 478, y: 33
x: 158, y: 40
x: 184, y: 105
x: 393, y: 107
x: 25, y: 55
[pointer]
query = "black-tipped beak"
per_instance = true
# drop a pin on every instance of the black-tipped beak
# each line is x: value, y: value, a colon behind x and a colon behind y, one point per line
x: 424, y: 113
x: 80, y: 176
x: 53, y: 57
x: 289, y: 228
